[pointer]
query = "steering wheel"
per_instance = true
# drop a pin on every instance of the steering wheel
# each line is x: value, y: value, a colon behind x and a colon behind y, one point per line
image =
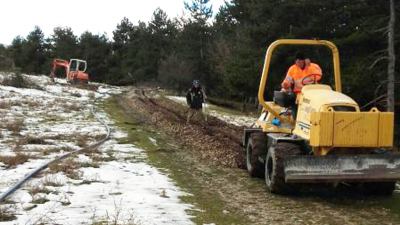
x: 307, y: 79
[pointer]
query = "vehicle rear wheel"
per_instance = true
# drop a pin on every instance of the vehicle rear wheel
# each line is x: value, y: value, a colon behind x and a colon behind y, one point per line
x: 256, y: 146
x: 379, y: 188
x: 274, y: 167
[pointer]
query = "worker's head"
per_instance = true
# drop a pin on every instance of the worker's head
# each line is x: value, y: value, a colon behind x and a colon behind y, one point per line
x: 307, y: 61
x: 300, y: 60
x: 196, y: 83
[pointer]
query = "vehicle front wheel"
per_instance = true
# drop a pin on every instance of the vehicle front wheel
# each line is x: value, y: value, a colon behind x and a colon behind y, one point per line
x: 256, y: 146
x: 274, y: 167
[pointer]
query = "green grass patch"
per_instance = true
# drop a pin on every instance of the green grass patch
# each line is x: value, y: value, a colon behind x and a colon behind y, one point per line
x: 208, y: 204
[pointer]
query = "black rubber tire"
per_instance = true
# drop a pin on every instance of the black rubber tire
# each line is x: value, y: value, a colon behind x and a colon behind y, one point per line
x: 274, y: 167
x: 379, y: 188
x: 256, y: 146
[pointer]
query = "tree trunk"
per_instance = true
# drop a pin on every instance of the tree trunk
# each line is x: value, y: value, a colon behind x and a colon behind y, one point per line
x: 391, y: 59
x: 244, y: 99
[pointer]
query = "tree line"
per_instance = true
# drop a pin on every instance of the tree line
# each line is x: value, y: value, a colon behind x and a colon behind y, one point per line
x: 226, y: 51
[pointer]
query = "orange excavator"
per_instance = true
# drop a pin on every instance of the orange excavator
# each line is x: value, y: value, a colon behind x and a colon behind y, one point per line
x: 74, y: 70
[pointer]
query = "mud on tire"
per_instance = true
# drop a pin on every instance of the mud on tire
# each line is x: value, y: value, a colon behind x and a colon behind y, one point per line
x: 274, y: 163
x: 256, y: 146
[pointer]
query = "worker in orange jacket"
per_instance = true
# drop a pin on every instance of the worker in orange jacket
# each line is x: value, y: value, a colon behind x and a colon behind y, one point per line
x: 301, y: 73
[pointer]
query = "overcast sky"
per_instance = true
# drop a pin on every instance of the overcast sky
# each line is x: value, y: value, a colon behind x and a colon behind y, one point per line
x: 18, y: 17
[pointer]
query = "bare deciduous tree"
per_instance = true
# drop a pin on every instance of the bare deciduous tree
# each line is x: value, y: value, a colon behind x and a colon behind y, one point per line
x: 391, y: 59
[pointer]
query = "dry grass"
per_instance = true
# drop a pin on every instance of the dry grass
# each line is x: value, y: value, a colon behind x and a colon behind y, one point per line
x: 36, y: 189
x: 68, y: 107
x: 91, y: 151
x: 48, y: 151
x: 54, y: 136
x: 29, y: 140
x: 33, y: 104
x: 12, y: 161
x: 40, y: 200
x: 163, y: 194
x: 76, y: 94
x: 69, y: 167
x: 18, y: 147
x: 75, y: 107
x: 55, y: 149
x: 96, y: 157
x: 91, y: 95
x: 5, y: 104
x: 94, y: 179
x: 52, y: 181
x: 90, y: 164
x: 19, y: 81
x: 7, y: 213
x: 102, y: 158
x: 15, y: 126
x: 81, y: 141
x: 16, y: 103
x: 65, y: 200
x: 15, y: 80
x: 118, y: 216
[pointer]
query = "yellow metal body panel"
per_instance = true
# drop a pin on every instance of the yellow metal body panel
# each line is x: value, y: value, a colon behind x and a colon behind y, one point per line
x: 319, y: 95
x: 351, y: 129
x: 321, y: 131
x: 355, y: 129
x: 317, y: 98
x: 386, y: 129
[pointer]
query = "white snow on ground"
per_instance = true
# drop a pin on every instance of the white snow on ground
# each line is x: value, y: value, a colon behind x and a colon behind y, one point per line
x: 235, y: 119
x: 56, y: 118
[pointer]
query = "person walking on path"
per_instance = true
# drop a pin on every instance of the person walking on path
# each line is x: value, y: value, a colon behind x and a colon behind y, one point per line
x: 195, y: 97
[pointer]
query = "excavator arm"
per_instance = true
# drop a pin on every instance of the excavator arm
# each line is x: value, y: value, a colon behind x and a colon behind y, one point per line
x: 57, y: 63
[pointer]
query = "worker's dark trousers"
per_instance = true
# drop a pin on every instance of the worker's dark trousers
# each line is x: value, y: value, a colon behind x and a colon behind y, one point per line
x: 294, y: 108
x: 195, y: 113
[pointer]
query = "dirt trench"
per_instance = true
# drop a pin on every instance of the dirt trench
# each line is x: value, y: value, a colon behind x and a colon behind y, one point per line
x: 218, y: 145
x: 214, y: 142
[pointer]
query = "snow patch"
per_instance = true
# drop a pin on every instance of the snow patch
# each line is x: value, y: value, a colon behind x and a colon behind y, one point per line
x: 238, y: 120
x: 57, y: 119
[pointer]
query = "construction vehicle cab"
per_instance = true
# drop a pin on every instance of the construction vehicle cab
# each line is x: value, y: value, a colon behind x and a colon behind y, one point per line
x: 329, y: 141
x: 74, y: 70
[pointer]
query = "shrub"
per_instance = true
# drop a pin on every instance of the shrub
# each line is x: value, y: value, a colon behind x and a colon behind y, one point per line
x: 12, y: 161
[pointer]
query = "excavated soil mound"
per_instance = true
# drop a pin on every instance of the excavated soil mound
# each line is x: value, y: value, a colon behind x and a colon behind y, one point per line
x: 216, y: 142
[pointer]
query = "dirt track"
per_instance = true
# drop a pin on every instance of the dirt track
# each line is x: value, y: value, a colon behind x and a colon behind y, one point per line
x: 217, y: 142
x: 218, y: 146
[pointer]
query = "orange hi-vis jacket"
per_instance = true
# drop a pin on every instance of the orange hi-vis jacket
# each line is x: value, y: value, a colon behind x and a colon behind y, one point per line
x: 295, y: 76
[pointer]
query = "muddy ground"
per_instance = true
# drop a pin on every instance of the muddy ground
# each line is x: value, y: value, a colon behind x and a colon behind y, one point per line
x: 213, y: 156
